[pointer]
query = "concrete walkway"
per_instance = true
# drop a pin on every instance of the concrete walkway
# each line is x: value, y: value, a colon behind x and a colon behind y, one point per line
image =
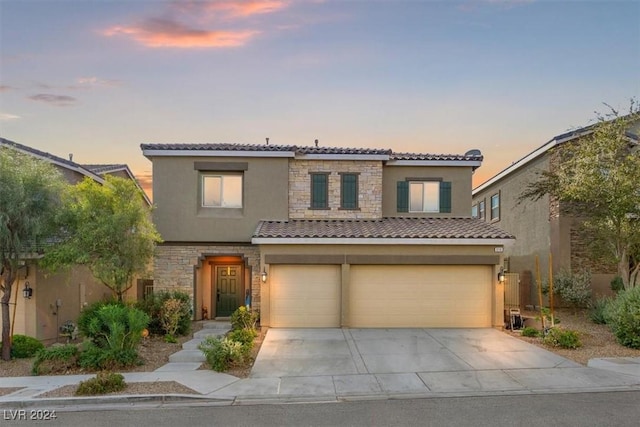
x: 343, y: 364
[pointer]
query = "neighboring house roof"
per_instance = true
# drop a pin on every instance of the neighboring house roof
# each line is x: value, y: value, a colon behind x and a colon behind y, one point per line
x: 95, y: 172
x: 391, y: 230
x: 65, y: 163
x: 472, y: 158
x: 632, y: 134
x: 108, y: 169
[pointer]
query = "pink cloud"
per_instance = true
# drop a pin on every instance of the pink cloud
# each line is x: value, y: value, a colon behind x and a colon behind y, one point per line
x: 168, y: 33
x: 248, y: 8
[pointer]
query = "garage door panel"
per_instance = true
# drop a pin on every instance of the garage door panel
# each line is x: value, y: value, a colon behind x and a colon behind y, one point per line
x: 420, y: 296
x: 305, y: 296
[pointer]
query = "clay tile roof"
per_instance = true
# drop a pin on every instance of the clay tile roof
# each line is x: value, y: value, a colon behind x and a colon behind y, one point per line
x: 419, y: 156
x: 340, y: 150
x: 218, y: 147
x: 391, y: 228
x: 100, y: 169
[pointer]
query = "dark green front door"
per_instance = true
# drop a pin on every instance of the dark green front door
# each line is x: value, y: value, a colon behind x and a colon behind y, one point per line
x: 227, y: 284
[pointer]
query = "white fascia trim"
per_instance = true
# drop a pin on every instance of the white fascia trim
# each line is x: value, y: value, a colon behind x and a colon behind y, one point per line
x: 434, y: 163
x: 515, y: 166
x: 215, y: 153
x: 375, y: 241
x: 381, y: 157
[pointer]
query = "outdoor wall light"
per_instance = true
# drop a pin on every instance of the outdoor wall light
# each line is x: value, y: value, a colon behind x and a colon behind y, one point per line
x: 501, y: 275
x: 263, y: 276
x: 27, y: 292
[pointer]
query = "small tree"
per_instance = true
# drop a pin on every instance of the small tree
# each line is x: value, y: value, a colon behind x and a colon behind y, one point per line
x: 597, y: 178
x: 30, y: 192
x: 109, y: 230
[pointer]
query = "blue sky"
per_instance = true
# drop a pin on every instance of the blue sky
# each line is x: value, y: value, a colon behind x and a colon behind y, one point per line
x: 97, y: 78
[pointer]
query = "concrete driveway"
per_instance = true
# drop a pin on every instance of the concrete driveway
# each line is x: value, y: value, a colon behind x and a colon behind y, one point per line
x: 305, y: 352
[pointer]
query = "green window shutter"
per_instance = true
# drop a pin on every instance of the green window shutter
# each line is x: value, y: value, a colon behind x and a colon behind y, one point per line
x: 349, y: 193
x: 403, y: 196
x: 319, y: 191
x: 445, y: 197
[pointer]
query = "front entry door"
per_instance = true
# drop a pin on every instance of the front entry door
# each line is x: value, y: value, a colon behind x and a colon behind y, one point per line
x: 228, y: 280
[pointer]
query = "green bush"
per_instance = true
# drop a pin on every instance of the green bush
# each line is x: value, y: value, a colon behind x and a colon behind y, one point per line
x: 89, y: 313
x: 153, y: 306
x: 623, y: 316
x: 617, y: 284
x: 598, y: 313
x: 222, y: 353
x: 244, y: 318
x: 245, y: 337
x: 23, y: 347
x: 55, y: 359
x: 114, y: 331
x: 573, y: 288
x: 104, y: 382
x: 170, y: 315
x: 528, y: 331
x: 563, y: 338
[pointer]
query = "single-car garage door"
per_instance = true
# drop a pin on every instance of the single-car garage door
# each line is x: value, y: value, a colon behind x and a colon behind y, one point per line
x: 305, y: 296
x: 420, y: 296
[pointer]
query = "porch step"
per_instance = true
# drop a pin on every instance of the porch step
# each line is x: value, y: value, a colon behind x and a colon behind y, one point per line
x: 190, y: 356
x: 215, y: 324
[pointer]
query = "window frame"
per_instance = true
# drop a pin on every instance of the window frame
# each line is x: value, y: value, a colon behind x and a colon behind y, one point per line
x: 434, y: 182
x: 222, y: 176
x: 482, y: 209
x: 493, y: 197
x: 312, y: 190
x: 474, y: 211
x: 356, y: 203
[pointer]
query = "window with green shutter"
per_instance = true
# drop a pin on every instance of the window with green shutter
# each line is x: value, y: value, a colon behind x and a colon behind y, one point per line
x: 348, y: 191
x: 424, y: 195
x: 403, y: 196
x: 320, y: 190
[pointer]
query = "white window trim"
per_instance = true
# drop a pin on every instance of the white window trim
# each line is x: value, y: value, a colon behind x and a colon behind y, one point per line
x: 497, y: 217
x: 222, y: 177
x: 422, y: 183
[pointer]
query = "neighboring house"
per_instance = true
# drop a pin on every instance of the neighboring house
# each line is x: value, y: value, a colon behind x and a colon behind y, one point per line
x: 57, y: 298
x: 542, y: 227
x: 325, y: 237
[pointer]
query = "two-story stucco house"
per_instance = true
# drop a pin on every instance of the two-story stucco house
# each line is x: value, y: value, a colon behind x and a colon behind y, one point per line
x: 542, y: 227
x: 325, y: 237
x: 57, y: 298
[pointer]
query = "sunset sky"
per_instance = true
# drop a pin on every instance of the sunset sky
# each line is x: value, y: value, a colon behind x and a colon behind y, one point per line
x: 98, y: 78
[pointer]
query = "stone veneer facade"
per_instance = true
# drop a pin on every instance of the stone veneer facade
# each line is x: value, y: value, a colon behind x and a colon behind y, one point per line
x: 174, y: 266
x: 369, y: 188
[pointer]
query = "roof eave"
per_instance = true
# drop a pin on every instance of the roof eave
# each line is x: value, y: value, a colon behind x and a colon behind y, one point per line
x: 380, y: 241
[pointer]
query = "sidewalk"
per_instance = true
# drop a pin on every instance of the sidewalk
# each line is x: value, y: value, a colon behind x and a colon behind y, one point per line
x: 309, y: 381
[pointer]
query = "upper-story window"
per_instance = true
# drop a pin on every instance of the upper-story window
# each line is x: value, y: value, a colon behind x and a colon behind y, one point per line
x: 222, y: 190
x: 495, y: 207
x: 481, y: 210
x: 428, y: 196
x: 474, y: 211
x: 349, y: 191
x: 319, y: 190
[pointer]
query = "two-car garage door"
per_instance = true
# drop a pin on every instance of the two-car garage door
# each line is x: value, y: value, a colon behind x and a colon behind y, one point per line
x: 381, y: 296
x: 398, y: 296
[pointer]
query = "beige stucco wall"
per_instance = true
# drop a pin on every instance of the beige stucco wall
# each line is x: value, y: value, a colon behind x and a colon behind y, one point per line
x: 179, y: 216
x: 536, y: 233
x: 460, y: 178
x: 181, y: 266
x: 369, y: 188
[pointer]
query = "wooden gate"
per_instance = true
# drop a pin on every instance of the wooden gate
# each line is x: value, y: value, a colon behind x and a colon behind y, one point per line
x: 511, y: 290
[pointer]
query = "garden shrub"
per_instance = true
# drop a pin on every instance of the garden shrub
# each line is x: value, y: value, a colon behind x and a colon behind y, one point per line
x: 617, y: 284
x: 170, y: 314
x: 55, y: 359
x: 114, y: 331
x: 563, y: 338
x: 245, y: 337
x: 153, y: 306
x: 528, y: 331
x: 623, y: 316
x: 244, y: 318
x: 23, y: 347
x: 222, y: 353
x: 574, y: 289
x: 102, y: 383
x: 598, y: 313
x: 88, y: 313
